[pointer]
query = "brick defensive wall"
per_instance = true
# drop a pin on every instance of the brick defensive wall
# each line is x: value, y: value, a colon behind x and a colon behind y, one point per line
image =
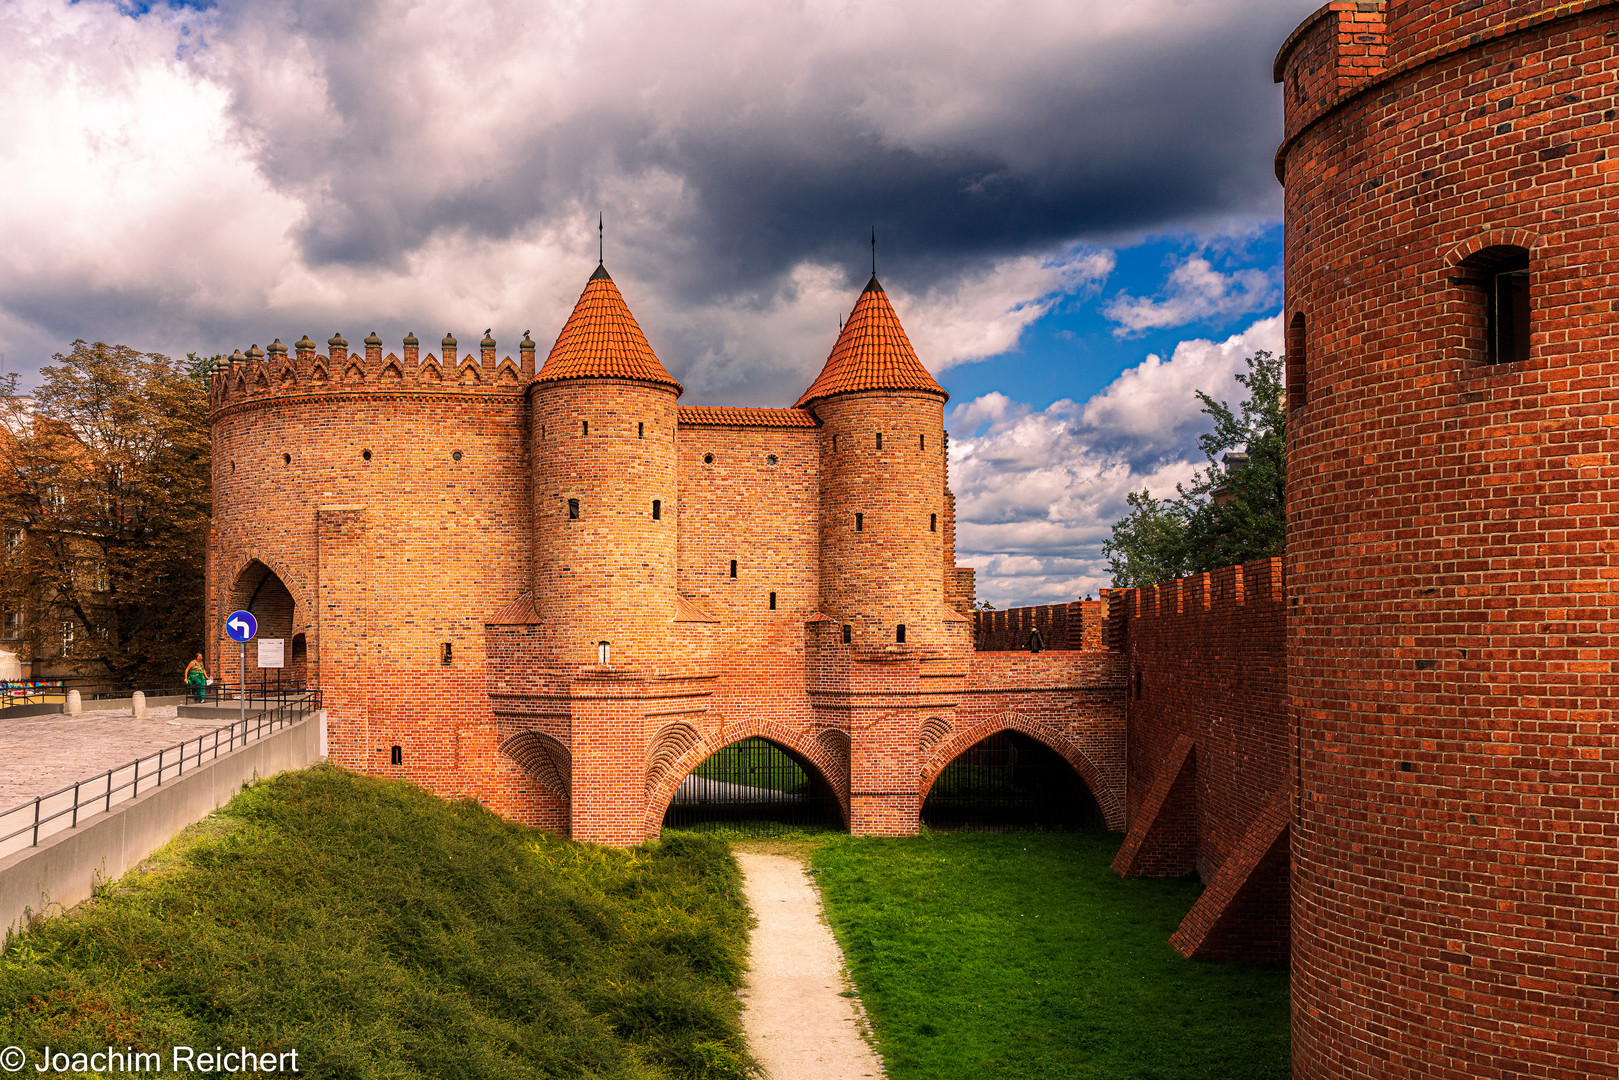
x: 1207, y: 776
x: 1453, y: 510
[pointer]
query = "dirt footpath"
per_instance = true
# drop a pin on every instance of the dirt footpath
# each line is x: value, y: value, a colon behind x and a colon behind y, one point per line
x: 797, y: 1021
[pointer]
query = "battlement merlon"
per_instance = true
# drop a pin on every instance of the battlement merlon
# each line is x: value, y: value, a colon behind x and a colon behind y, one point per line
x: 1339, y: 49
x: 1230, y: 588
x: 277, y: 373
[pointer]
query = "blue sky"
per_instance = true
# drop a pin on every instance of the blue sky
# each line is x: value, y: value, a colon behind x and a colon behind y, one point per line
x: 1076, y: 213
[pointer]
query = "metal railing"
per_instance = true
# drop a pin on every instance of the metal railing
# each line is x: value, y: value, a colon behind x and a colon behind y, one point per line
x: 25, y: 825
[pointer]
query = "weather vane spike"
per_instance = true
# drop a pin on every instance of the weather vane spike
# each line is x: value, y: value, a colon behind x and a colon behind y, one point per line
x: 874, y: 251
x: 601, y: 239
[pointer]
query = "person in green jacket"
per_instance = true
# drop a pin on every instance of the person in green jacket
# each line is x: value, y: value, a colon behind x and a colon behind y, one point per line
x: 197, y: 678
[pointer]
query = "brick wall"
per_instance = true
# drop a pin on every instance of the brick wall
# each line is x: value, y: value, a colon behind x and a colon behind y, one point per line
x: 1206, y: 726
x: 1450, y: 529
x: 1076, y: 625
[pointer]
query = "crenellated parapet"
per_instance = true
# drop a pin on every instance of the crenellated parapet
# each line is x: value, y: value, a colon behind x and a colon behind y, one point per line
x: 280, y: 373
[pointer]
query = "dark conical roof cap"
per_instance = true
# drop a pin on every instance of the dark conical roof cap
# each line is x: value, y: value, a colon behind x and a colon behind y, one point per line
x: 601, y: 273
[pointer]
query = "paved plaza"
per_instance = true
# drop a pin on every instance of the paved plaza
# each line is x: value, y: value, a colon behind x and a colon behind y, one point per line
x: 42, y: 754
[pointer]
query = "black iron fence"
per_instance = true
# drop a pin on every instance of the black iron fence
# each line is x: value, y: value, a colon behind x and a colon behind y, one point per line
x: 752, y: 787
x: 25, y: 825
x: 1009, y: 782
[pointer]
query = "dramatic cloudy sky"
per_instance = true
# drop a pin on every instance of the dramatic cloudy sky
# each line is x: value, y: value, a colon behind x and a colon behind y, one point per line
x: 1074, y: 203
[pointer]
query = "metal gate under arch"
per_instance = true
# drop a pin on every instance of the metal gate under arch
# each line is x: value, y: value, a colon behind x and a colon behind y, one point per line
x: 1010, y: 782
x: 752, y: 787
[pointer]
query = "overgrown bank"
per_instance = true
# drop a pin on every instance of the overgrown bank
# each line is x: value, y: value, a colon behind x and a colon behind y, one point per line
x: 383, y: 932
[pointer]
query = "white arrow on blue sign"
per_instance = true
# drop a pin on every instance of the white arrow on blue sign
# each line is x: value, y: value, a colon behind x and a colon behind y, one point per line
x: 241, y: 626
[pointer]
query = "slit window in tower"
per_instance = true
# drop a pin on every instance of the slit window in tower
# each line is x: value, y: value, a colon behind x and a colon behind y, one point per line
x: 603, y: 652
x: 834, y: 444
x: 933, y: 523
x: 733, y: 568
x: 772, y: 601
x: 657, y: 509
x: 848, y: 632
x: 922, y: 443
x: 445, y: 653
x: 1508, y: 315
x: 860, y: 523
x: 573, y: 509
x: 879, y: 440
x: 586, y: 426
x: 1296, y: 362
x: 899, y: 633
x: 640, y: 429
x: 396, y: 755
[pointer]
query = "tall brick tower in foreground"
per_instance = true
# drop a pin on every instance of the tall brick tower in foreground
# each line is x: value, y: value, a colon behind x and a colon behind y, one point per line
x: 1453, y: 493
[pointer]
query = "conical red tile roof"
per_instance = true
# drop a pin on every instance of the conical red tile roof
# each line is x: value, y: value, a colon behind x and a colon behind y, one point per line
x: 601, y: 339
x: 872, y: 353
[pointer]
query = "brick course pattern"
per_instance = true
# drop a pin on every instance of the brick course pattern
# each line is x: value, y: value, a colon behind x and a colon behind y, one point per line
x: 1209, y: 788
x: 557, y: 591
x: 1451, y: 525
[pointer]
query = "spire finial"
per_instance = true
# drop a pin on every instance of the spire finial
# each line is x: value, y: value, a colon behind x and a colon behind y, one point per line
x: 874, y: 251
x: 601, y: 239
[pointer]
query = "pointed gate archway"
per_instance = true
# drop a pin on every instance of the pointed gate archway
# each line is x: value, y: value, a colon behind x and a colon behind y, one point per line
x: 1006, y: 782
x: 753, y: 786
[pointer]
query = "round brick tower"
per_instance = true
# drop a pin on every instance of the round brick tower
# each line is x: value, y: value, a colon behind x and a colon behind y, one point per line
x: 1453, y: 511
x: 603, y: 431
x: 882, y: 482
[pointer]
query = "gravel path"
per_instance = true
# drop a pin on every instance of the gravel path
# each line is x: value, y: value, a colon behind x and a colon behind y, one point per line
x: 40, y: 754
x: 797, y: 1021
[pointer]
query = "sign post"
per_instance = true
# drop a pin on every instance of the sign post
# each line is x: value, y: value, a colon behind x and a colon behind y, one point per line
x: 240, y: 626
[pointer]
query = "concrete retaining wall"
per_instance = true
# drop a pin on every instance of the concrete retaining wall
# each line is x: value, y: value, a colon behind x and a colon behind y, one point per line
x: 64, y: 869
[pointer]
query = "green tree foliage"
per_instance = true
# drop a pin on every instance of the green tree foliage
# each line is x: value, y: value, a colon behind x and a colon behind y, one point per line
x: 1223, y: 517
x: 104, y: 492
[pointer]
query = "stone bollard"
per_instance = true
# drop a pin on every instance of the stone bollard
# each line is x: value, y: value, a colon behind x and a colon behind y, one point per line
x: 137, y: 706
x: 75, y: 706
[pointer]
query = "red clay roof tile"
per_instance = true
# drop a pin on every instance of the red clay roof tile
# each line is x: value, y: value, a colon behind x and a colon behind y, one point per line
x: 734, y: 417
x: 872, y: 353
x: 601, y: 339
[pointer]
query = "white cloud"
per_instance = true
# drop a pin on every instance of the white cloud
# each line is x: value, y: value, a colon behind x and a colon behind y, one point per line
x: 1038, y: 491
x: 1195, y: 291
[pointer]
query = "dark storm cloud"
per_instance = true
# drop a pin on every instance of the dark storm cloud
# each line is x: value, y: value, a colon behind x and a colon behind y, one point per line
x: 781, y: 140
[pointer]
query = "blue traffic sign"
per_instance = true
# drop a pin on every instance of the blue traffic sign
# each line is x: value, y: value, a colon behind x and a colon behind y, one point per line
x: 241, y: 626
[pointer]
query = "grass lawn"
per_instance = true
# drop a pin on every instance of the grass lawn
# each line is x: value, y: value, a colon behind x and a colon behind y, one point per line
x: 1022, y: 956
x: 383, y: 932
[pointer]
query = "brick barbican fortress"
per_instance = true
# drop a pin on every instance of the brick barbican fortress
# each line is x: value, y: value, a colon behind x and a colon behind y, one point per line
x: 553, y: 588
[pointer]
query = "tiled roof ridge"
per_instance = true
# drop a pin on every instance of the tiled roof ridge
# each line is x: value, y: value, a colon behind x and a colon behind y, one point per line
x: 872, y: 353
x: 746, y: 416
x: 602, y: 340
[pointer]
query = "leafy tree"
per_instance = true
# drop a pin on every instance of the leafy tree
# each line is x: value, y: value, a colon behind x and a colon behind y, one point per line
x: 104, y: 496
x: 1226, y: 516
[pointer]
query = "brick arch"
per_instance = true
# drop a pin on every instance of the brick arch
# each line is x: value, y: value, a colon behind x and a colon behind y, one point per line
x: 301, y: 606
x: 544, y: 758
x: 1466, y: 249
x: 1106, y: 795
x: 804, y: 748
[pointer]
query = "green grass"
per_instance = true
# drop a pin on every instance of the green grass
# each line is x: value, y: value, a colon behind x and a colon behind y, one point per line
x: 1022, y: 956
x: 386, y: 933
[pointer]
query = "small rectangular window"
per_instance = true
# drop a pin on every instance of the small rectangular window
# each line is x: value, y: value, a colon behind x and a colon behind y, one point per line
x: 772, y: 601
x: 573, y: 508
x: 899, y: 633
x: 640, y: 430
x: 586, y: 424
x: 834, y: 444
x: 1509, y: 317
x: 657, y: 509
x: 860, y: 523
x: 396, y: 755
x: 923, y: 444
x: 847, y: 632
x: 879, y: 440
x: 733, y: 568
x: 604, y: 652
x: 933, y: 523
x: 445, y: 651
x: 67, y: 636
